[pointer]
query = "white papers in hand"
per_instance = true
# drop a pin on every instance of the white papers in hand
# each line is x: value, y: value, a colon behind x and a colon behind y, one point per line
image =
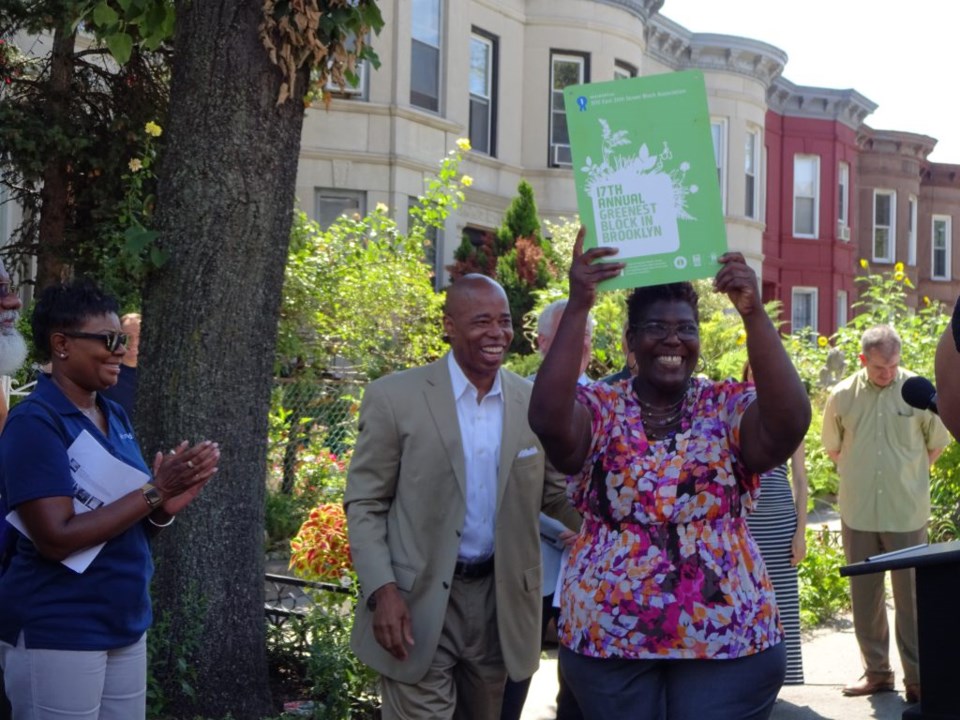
x: 99, y: 479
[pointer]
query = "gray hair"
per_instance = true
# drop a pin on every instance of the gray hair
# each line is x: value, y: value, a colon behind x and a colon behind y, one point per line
x: 550, y: 317
x: 882, y: 338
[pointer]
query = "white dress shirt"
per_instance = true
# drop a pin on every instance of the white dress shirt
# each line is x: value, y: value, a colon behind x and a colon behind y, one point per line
x: 481, y: 428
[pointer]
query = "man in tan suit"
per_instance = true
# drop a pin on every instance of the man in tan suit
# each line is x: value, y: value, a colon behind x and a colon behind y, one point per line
x: 443, y: 495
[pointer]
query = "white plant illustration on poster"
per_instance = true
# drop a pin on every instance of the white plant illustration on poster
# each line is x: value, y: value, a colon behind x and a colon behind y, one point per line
x: 638, y: 198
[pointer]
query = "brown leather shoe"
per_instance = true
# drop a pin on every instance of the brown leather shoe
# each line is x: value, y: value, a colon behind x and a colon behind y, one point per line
x: 913, y: 693
x: 869, y: 685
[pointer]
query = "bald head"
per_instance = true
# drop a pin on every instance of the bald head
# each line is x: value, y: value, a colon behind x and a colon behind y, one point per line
x: 462, y: 291
x: 476, y: 321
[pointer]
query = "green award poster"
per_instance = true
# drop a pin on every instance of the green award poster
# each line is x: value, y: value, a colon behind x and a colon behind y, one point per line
x: 646, y: 176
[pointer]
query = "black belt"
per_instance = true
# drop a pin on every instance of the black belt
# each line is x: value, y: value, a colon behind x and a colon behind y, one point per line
x: 469, y: 570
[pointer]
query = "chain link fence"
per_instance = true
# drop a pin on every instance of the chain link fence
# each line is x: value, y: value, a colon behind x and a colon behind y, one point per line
x: 313, y: 420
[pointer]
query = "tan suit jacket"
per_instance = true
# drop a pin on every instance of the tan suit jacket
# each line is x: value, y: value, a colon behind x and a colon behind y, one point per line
x: 405, y: 503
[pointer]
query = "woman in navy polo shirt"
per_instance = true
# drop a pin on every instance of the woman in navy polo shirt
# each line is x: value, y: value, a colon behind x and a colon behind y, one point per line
x: 72, y: 644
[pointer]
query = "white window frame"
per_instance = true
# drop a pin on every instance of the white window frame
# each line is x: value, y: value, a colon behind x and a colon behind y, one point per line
x: 351, y: 92
x: 912, y: 230
x: 843, y: 308
x: 415, y: 66
x: 814, y: 197
x: 802, y: 291
x: 478, y: 36
x: 559, y: 151
x: 890, y: 226
x: 359, y: 197
x: 718, y: 132
x: 947, y: 222
x: 623, y: 71
x: 751, y: 156
x: 843, y: 195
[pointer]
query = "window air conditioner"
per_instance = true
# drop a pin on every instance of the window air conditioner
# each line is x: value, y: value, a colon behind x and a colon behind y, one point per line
x: 561, y: 156
x: 843, y: 231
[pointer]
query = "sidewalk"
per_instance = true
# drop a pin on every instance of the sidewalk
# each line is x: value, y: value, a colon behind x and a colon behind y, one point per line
x: 830, y: 661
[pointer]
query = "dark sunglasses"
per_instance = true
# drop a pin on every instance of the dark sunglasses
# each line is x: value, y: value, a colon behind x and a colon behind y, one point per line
x: 113, y: 340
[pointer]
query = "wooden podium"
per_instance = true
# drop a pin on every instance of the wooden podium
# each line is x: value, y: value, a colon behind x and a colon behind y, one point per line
x: 937, y: 569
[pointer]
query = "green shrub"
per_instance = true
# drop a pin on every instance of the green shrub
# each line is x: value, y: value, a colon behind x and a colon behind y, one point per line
x: 945, y: 496
x: 824, y: 594
x: 312, y: 653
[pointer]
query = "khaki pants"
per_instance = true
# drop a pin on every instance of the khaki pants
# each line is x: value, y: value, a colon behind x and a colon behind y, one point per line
x: 869, y: 603
x: 466, y: 678
x: 76, y: 684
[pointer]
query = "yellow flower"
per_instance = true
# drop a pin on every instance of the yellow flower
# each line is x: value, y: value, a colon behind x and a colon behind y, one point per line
x: 151, y: 128
x: 741, y: 338
x: 899, y: 276
x: 863, y: 263
x: 466, y: 181
x: 463, y: 144
x: 382, y: 207
x: 898, y: 267
x: 135, y: 164
x: 907, y: 282
x: 926, y: 300
x: 822, y: 341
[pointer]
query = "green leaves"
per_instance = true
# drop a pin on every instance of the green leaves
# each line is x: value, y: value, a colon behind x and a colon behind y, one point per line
x: 104, y: 15
x: 123, y: 25
x: 120, y: 46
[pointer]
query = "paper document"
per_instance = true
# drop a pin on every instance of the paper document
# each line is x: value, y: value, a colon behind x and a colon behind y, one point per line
x: 99, y: 479
x: 646, y: 175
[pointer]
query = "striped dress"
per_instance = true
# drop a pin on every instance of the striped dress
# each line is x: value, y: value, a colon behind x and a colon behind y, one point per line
x: 773, y: 523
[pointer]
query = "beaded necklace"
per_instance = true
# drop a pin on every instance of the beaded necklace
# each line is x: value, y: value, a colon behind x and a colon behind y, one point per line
x: 662, y: 421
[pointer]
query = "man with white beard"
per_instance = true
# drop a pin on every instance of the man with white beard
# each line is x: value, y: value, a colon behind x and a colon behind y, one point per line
x: 13, y: 348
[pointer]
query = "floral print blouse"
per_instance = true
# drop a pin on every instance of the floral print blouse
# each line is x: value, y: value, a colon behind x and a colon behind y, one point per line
x: 664, y: 566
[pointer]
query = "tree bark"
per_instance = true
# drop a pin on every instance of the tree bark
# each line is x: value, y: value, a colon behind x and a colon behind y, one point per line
x: 226, y: 193
x: 54, y: 192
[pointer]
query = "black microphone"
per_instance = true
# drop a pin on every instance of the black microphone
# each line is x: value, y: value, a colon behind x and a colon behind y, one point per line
x: 920, y: 393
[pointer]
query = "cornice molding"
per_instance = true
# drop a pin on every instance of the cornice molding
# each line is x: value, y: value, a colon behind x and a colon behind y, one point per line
x: 895, y: 142
x: 678, y: 48
x: 643, y: 9
x: 845, y: 106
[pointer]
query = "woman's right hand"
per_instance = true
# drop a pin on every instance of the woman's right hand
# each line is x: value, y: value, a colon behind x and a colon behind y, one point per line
x: 185, y: 468
x: 586, y: 273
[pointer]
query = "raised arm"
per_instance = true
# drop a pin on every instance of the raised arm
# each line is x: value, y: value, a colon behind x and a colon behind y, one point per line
x: 562, y: 424
x: 948, y: 374
x: 775, y: 424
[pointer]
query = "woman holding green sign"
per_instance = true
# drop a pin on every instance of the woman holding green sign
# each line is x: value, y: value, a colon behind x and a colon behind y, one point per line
x: 666, y: 605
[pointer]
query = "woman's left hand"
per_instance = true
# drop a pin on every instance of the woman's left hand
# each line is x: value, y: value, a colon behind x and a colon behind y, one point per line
x: 798, y: 548
x: 739, y: 282
x: 195, y: 473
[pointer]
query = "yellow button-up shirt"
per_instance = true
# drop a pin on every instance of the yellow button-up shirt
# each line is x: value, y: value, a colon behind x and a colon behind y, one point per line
x: 884, y: 447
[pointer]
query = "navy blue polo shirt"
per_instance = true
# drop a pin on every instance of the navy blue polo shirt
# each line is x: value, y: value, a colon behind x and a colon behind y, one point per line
x: 108, y: 605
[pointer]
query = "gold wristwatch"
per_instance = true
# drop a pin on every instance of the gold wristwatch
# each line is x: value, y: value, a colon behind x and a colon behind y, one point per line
x: 152, y: 496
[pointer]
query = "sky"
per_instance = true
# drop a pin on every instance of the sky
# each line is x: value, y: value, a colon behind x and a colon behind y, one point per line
x: 904, y: 56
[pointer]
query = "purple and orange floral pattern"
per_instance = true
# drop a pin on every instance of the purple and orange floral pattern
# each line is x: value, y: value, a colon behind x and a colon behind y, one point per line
x: 664, y: 566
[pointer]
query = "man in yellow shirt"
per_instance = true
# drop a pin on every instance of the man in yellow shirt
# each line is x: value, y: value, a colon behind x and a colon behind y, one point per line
x: 883, y: 449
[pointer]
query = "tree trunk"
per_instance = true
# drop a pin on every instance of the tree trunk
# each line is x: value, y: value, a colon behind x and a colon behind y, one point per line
x: 55, y: 190
x: 226, y: 193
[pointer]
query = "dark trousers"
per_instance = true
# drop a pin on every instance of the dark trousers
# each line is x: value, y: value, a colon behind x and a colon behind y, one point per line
x: 515, y: 693
x: 745, y: 688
